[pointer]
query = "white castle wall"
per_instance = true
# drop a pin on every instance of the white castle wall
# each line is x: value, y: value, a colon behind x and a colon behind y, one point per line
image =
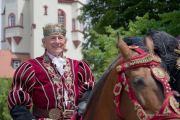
x: 33, y: 13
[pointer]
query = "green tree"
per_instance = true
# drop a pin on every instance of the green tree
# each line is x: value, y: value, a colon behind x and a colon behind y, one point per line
x: 170, y: 22
x: 100, y: 50
x: 101, y: 13
x: 4, y: 89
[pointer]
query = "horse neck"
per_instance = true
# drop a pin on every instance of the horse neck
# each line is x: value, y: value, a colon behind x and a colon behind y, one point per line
x: 101, y: 103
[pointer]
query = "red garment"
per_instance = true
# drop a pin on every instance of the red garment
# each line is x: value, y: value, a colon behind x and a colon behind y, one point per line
x: 38, y: 82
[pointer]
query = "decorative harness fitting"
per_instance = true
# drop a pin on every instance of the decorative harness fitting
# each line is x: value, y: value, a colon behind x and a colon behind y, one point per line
x: 177, y: 51
x: 170, y: 107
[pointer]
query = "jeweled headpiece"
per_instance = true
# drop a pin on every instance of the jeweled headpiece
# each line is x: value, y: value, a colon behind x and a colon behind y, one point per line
x: 54, y: 29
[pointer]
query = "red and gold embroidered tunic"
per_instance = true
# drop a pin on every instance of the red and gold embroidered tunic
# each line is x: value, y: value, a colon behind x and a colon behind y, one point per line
x: 38, y: 82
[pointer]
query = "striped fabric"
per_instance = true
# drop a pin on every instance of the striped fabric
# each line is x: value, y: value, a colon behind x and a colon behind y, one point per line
x: 23, y: 82
x: 33, y: 84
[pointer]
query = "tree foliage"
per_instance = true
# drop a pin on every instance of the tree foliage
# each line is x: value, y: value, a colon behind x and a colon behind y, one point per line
x: 170, y: 22
x: 101, y: 13
x: 100, y: 50
x: 4, y: 89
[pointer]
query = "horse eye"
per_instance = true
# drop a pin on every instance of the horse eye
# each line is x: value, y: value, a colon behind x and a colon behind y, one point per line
x: 138, y: 83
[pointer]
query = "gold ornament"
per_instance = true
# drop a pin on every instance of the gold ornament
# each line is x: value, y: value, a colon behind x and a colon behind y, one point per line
x: 54, y: 29
x: 178, y: 64
x: 158, y: 72
x: 118, y: 68
x: 175, y: 105
x: 55, y: 114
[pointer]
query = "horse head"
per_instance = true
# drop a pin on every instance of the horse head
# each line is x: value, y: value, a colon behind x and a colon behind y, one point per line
x: 135, y: 87
x: 145, y: 81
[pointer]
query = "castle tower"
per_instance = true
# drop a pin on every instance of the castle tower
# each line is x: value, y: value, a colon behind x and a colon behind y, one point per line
x: 22, y: 22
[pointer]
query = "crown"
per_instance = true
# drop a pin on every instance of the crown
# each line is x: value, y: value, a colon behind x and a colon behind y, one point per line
x: 54, y: 29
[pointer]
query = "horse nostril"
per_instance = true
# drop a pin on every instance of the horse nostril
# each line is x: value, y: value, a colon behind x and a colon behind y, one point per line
x: 138, y: 83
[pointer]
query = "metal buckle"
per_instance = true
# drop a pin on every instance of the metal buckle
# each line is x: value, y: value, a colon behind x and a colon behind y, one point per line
x: 68, y: 113
x: 55, y: 113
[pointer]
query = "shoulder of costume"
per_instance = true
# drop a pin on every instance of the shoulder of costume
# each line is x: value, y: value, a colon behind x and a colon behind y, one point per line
x: 79, y: 62
x: 34, y: 60
x: 86, y: 62
x: 74, y: 60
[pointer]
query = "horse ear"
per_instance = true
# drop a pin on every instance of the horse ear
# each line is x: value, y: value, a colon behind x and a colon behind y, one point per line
x: 124, y: 48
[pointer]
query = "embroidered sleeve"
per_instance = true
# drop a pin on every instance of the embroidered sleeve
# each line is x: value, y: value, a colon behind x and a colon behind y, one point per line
x: 23, y: 82
x: 85, y: 77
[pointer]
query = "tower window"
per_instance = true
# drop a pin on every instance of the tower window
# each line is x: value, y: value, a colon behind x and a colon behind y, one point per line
x: 73, y: 24
x: 61, y: 17
x: 11, y: 20
x: 45, y: 9
x: 21, y: 19
x: 16, y: 63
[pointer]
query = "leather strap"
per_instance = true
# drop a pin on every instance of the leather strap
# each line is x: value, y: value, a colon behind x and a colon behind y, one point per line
x: 43, y: 113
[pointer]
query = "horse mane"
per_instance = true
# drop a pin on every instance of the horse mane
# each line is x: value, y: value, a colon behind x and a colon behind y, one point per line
x: 138, y: 41
x: 165, y: 44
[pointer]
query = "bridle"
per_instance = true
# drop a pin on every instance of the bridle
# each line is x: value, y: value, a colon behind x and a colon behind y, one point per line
x: 169, y: 107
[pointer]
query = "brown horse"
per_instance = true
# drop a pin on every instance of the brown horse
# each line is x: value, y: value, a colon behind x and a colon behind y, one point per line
x: 134, y: 88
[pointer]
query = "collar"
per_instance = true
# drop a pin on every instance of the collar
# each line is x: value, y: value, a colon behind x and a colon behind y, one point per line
x: 59, y: 62
x: 52, y: 56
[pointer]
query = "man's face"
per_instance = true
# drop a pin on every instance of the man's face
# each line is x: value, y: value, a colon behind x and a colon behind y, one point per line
x: 54, y: 44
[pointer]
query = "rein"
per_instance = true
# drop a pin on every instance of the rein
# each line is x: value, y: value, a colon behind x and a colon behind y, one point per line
x: 169, y: 107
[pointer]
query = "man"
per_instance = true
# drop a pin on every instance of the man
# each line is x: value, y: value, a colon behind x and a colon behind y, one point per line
x: 54, y: 85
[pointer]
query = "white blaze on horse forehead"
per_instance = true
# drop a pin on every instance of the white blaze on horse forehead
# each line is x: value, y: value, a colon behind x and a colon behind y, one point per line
x: 142, y: 100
